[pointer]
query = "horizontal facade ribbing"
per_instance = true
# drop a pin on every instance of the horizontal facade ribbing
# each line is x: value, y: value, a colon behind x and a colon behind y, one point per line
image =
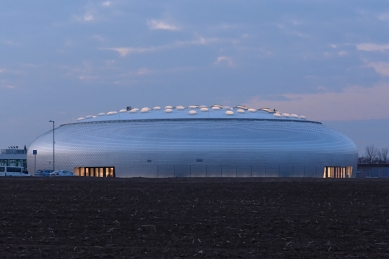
x: 201, y: 147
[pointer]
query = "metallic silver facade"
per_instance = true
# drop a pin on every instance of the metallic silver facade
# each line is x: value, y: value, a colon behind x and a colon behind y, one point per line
x: 197, y: 148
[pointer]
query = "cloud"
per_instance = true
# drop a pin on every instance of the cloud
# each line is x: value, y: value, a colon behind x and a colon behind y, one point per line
x: 384, y: 17
x: 353, y: 103
x: 161, y: 25
x: 224, y: 59
x: 123, y: 51
x: 98, y: 38
x: 143, y: 71
x: 372, y: 47
x: 91, y: 14
x: 299, y: 34
x: 224, y: 26
x: 10, y: 43
x: 203, y: 41
x: 106, y: 3
x: 21, y: 72
x: 87, y: 77
x: 68, y: 42
x: 381, y: 68
x: 88, y: 17
x: 198, y: 41
x: 334, y: 54
x: 342, y: 53
x: 9, y: 87
x: 136, y: 73
x: 85, y: 18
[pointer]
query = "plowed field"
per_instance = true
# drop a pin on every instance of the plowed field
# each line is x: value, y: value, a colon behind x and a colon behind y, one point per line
x: 199, y: 218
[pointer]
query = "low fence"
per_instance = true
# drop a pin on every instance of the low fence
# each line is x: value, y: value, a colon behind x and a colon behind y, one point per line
x: 373, y: 172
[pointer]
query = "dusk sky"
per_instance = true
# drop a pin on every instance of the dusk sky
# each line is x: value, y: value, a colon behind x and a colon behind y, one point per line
x: 326, y: 60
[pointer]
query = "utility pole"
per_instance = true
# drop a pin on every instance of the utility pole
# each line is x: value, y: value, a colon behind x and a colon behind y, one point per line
x: 53, y: 147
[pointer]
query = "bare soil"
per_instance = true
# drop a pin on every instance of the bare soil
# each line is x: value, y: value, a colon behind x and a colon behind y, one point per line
x: 194, y: 217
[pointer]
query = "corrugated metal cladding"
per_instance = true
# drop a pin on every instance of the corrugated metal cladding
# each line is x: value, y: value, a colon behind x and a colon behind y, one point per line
x: 197, y: 148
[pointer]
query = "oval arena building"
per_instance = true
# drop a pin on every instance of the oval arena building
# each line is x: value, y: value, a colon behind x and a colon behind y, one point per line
x: 196, y: 141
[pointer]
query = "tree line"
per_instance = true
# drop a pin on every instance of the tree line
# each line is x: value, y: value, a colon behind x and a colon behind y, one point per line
x: 373, y: 155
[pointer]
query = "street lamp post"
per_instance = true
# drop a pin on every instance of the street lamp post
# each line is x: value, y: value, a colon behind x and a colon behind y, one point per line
x: 53, y: 146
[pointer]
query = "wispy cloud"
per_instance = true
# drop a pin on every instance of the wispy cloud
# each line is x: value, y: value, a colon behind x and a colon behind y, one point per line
x: 332, y: 54
x: 353, y: 103
x: 84, y: 18
x: 143, y: 71
x: 91, y: 13
x: 342, y: 53
x: 139, y: 72
x: 162, y: 25
x: 86, y: 77
x: 381, y: 68
x: 84, y: 72
x: 9, y: 87
x: 98, y: 38
x: 134, y: 73
x: 20, y: 72
x: 106, y: 3
x: 224, y: 60
x: 124, y: 51
x: 294, y: 22
x: 203, y: 41
x: 88, y: 17
x: 10, y: 43
x: 299, y: 34
x: 224, y: 26
x: 372, y: 47
x: 384, y: 17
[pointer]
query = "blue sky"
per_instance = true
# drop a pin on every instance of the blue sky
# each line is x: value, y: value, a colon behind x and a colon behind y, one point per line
x: 327, y: 60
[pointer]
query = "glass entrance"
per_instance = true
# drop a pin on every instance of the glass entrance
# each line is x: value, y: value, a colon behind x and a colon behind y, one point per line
x: 95, y: 171
x: 337, y: 172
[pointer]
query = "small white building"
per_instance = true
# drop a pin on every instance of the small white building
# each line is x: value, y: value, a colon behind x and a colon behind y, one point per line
x: 13, y: 156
